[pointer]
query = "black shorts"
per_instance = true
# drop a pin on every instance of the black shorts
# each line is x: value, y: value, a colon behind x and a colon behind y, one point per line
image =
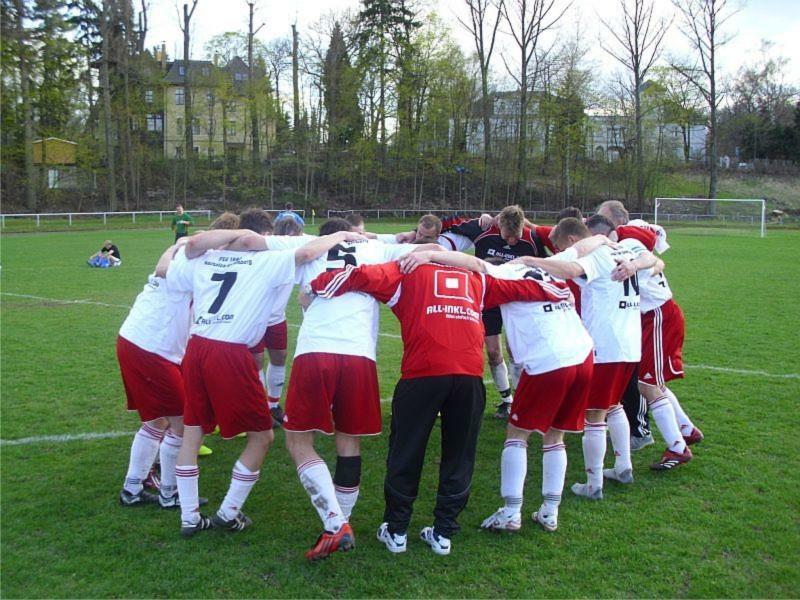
x: 180, y: 235
x: 493, y: 321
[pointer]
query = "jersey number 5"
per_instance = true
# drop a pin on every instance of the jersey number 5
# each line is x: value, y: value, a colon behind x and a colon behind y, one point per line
x: 227, y: 280
x: 342, y: 253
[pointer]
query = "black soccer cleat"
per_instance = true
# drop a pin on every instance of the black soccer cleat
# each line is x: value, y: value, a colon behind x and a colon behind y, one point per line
x: 173, y: 501
x: 238, y: 523
x: 503, y: 411
x: 189, y: 529
x: 126, y: 498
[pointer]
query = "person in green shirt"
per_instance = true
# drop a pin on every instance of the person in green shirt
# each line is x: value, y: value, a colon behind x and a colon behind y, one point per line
x: 181, y: 222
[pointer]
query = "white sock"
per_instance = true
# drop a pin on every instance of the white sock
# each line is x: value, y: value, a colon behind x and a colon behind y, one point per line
x: 664, y: 416
x: 513, y: 469
x: 187, y: 477
x: 242, y: 481
x: 594, y: 450
x: 620, y: 432
x: 275, y: 378
x: 346, y: 497
x: 169, y: 458
x: 684, y: 422
x: 516, y: 373
x: 318, y: 483
x: 143, y: 452
x: 262, y: 375
x: 554, y: 469
x: 500, y: 377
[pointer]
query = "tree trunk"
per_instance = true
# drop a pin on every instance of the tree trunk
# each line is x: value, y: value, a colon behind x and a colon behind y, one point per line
x: 187, y: 94
x: 110, y: 162
x: 487, y: 136
x: 251, y: 92
x: 639, y: 146
x: 27, y: 116
x: 712, y: 158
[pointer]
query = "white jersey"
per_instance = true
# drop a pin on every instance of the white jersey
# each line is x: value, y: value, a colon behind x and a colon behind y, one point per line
x: 610, y: 309
x: 347, y: 324
x: 543, y: 336
x: 449, y: 241
x: 654, y: 290
x: 285, y: 242
x: 234, y: 292
x: 159, y: 320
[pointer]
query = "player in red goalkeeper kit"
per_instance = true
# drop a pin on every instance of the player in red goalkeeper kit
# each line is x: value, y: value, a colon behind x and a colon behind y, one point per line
x: 439, y: 309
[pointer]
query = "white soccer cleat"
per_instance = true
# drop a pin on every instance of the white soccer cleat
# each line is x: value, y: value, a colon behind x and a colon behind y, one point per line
x: 439, y: 544
x: 394, y: 542
x: 587, y: 491
x: 625, y: 476
x: 503, y: 520
x: 548, y: 522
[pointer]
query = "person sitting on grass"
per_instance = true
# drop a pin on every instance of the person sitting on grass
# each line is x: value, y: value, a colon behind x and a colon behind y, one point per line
x: 107, y: 256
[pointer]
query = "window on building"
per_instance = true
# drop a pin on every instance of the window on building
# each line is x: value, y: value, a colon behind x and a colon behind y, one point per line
x: 180, y: 95
x: 231, y: 127
x: 195, y: 126
x: 148, y: 96
x: 206, y: 71
x: 181, y: 70
x: 240, y: 76
x: 179, y: 151
x: 155, y: 122
x: 196, y: 150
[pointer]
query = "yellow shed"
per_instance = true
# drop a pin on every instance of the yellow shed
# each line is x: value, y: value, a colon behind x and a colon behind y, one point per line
x: 54, y: 151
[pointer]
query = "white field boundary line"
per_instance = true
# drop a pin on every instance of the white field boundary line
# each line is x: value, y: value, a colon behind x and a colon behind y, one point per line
x: 748, y: 372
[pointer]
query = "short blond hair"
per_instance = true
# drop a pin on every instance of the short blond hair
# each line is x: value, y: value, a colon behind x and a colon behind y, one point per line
x: 511, y: 218
x: 226, y: 220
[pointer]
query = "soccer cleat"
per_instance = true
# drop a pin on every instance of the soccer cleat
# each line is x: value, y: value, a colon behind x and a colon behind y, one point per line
x: 327, y: 543
x: 205, y: 451
x: 438, y: 543
x: 503, y: 520
x: 625, y: 477
x: 394, y: 542
x: 587, y: 491
x: 174, y: 501
x: 637, y: 443
x: 695, y: 437
x: 153, y: 479
x: 189, y: 529
x: 670, y: 460
x: 503, y: 410
x: 277, y: 416
x: 548, y: 522
x: 237, y: 523
x: 126, y: 498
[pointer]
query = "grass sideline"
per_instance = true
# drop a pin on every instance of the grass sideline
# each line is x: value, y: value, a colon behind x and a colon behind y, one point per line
x: 727, y: 525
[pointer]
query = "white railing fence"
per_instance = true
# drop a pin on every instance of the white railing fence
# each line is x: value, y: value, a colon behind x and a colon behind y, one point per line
x: 70, y: 216
x: 394, y: 213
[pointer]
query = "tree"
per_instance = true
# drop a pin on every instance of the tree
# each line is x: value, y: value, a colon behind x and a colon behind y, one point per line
x: 278, y: 55
x: 701, y: 22
x: 527, y: 20
x: 107, y: 115
x: 483, y: 13
x: 340, y: 83
x: 679, y: 103
x: 187, y: 102
x: 637, y: 38
x: 27, y: 115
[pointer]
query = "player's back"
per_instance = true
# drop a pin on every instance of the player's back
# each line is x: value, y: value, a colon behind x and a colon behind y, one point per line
x: 543, y: 336
x: 347, y: 324
x: 235, y: 292
x: 610, y: 309
x: 159, y: 320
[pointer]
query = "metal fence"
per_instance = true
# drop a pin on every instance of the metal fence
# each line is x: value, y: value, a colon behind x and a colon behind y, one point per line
x: 69, y: 216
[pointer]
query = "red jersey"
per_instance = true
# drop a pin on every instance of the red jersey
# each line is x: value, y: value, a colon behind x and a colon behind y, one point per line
x: 631, y: 232
x: 439, y: 309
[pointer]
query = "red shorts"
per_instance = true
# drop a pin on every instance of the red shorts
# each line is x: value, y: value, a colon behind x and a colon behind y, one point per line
x: 276, y: 337
x: 223, y: 388
x: 333, y: 391
x: 608, y: 383
x: 153, y: 384
x: 554, y: 399
x: 662, y: 344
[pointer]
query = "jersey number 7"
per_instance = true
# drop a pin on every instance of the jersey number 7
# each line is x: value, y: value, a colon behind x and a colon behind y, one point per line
x: 227, y: 280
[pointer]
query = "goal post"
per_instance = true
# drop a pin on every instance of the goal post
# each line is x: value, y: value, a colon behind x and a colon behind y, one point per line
x: 727, y: 213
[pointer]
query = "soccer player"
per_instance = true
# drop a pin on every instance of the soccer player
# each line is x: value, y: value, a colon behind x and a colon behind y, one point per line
x: 634, y: 404
x: 181, y: 222
x: 439, y: 311
x: 234, y: 293
x: 288, y: 212
x: 429, y: 230
x: 356, y: 222
x: 610, y: 312
x: 505, y: 241
x: 663, y: 328
x: 333, y: 388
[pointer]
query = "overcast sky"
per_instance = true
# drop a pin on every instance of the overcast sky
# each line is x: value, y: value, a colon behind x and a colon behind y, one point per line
x: 775, y: 20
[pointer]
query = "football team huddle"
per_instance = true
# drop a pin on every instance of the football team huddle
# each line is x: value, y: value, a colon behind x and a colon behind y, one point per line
x: 592, y: 335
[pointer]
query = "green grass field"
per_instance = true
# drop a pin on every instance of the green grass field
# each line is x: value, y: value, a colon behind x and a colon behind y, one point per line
x: 726, y: 525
